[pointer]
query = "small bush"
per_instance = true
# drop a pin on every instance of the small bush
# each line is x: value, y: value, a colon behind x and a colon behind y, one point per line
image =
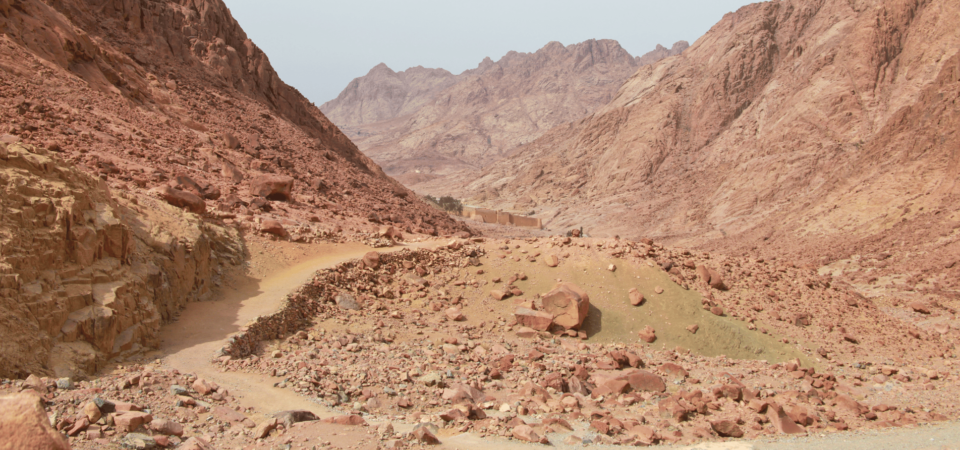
x: 451, y: 204
x: 446, y: 203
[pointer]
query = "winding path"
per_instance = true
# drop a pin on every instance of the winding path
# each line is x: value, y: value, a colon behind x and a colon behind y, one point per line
x: 190, y: 343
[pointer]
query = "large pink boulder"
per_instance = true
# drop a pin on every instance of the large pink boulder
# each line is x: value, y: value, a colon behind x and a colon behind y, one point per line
x: 568, y: 304
x: 24, y: 424
x: 273, y: 187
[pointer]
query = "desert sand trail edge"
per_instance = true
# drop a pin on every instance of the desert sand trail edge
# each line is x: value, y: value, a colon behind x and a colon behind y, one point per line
x: 190, y: 343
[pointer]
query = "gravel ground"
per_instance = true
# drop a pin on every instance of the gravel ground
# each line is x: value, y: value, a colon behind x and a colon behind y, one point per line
x: 928, y: 437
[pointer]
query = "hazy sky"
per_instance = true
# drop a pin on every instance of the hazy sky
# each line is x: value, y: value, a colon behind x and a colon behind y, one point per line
x: 319, y: 46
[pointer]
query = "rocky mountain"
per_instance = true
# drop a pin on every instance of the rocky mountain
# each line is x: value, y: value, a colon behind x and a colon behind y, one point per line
x: 423, y: 123
x: 814, y: 128
x: 141, y: 141
x: 662, y: 52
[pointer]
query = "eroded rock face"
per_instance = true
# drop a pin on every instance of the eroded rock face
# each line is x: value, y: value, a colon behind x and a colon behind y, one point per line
x: 568, y: 304
x: 136, y: 95
x: 71, y: 296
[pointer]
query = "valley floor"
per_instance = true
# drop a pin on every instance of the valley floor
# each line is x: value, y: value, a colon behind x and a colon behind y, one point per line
x: 738, y: 360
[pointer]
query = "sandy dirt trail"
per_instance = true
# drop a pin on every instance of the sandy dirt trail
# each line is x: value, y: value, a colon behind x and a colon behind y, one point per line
x: 190, y: 343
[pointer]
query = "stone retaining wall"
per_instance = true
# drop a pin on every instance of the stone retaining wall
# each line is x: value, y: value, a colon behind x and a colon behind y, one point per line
x: 500, y: 217
x: 354, y: 277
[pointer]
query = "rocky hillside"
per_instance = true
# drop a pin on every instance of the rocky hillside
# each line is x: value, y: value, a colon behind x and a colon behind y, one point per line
x: 424, y: 123
x: 140, y: 141
x: 817, y: 129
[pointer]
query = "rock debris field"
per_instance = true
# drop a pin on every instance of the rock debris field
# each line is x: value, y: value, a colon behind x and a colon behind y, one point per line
x: 547, y: 341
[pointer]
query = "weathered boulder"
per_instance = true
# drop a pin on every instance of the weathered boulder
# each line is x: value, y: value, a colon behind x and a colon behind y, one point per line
x: 350, y: 419
x: 498, y: 294
x: 288, y: 418
x: 526, y: 433
x: 538, y: 320
x: 181, y: 199
x: 166, y: 427
x: 636, y: 298
x: 726, y: 428
x: 371, y: 260
x: 273, y: 226
x: 345, y: 300
x: 391, y: 232
x: 648, y: 334
x: 204, y: 387
x: 783, y: 423
x: 643, y: 381
x: 568, y: 304
x: 24, y: 424
x: 455, y: 314
x: 230, y: 141
x: 131, y: 420
x: 272, y: 187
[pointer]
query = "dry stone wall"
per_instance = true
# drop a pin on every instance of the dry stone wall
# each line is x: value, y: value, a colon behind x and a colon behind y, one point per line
x: 370, y: 285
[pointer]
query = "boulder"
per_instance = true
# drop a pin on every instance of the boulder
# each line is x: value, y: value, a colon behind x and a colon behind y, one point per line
x: 526, y: 332
x: 272, y: 187
x: 138, y: 441
x: 391, y: 232
x: 263, y: 430
x: 131, y: 420
x: 726, y: 428
x: 273, y: 227
x: 371, y: 260
x: 195, y: 443
x: 647, y: 334
x: 230, y: 141
x: 538, y: 320
x: 643, y: 381
x: 526, y: 433
x: 455, y: 314
x: 351, y: 419
x: 424, y: 435
x: 346, y: 301
x: 781, y: 421
x: 551, y: 260
x: 716, y: 281
x: 92, y: 412
x: 230, y: 171
x: 568, y: 304
x: 636, y: 298
x: 181, y: 199
x: 204, y: 387
x: 166, y: 427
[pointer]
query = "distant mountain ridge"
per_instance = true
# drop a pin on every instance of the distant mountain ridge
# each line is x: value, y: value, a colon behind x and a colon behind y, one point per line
x: 813, y: 128
x: 423, y: 123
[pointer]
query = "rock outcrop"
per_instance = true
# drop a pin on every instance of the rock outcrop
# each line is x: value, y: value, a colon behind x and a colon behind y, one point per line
x: 140, y: 139
x: 87, y: 275
x: 804, y: 127
x: 424, y: 123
